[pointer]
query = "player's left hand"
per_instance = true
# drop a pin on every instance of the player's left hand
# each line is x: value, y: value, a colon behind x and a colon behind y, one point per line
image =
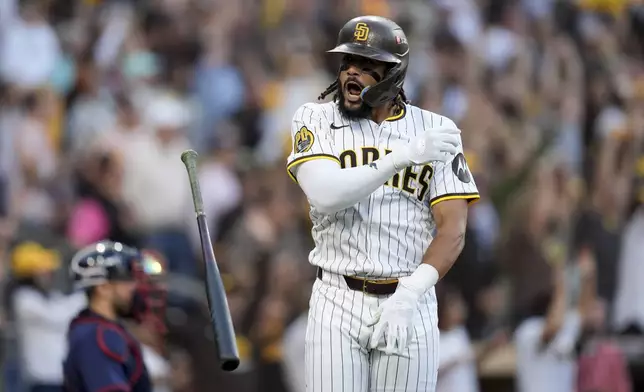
x: 393, y: 320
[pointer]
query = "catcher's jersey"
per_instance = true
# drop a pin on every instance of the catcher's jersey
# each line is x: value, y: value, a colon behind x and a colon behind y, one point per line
x: 386, y: 234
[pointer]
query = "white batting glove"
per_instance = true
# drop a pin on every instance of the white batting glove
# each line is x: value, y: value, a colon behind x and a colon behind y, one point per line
x: 393, y: 321
x: 434, y: 144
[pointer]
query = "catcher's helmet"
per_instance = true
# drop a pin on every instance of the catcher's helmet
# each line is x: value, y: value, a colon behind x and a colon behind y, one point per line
x: 110, y: 261
x: 379, y: 39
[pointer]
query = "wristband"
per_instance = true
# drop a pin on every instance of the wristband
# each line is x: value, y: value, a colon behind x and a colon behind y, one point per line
x: 424, y: 278
x: 400, y: 157
x: 388, y: 164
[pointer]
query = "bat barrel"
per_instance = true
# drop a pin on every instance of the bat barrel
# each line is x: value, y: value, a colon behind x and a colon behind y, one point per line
x: 220, y: 319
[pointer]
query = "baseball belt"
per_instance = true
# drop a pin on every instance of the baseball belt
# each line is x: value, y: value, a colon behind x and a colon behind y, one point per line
x: 368, y: 286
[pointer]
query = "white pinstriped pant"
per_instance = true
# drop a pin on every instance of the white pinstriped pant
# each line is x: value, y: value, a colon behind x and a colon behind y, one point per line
x: 337, y: 355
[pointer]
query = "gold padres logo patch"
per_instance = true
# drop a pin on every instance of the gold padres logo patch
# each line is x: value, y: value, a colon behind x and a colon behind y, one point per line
x: 303, y: 140
x: 361, y: 32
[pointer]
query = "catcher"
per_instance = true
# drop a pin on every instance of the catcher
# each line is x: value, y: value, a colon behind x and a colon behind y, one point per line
x: 121, y: 283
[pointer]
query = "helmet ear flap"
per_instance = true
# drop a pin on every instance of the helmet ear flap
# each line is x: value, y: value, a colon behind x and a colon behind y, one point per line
x: 387, y: 89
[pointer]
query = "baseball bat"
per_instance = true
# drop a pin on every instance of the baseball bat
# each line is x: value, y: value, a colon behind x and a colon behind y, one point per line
x: 220, y: 318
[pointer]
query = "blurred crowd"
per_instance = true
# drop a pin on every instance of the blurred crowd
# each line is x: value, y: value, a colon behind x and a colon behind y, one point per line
x: 99, y: 98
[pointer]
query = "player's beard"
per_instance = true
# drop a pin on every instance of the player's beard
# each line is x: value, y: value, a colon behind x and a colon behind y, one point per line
x: 125, y: 307
x: 363, y: 111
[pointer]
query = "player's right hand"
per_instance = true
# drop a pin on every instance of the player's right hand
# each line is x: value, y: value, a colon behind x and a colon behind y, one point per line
x: 435, y: 144
x: 392, y: 321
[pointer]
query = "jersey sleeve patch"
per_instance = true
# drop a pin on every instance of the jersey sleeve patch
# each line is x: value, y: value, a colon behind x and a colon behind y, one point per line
x: 303, y: 140
x: 460, y: 169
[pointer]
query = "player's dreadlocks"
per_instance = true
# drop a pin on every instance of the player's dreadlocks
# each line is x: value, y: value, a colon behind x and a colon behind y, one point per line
x: 329, y: 90
x: 401, y: 98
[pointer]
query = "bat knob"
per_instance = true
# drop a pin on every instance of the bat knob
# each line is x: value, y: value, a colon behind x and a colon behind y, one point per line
x: 189, y: 155
x: 230, y: 364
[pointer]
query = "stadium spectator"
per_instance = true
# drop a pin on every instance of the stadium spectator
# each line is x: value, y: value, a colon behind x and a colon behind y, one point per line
x: 41, y: 314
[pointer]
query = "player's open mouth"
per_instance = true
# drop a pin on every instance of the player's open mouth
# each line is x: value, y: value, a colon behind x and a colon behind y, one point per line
x: 352, y: 91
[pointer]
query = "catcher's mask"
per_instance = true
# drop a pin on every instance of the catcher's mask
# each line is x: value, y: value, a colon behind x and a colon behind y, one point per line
x: 150, y: 296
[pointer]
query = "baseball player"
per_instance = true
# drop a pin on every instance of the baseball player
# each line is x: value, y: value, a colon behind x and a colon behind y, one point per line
x: 388, y: 187
x: 103, y: 355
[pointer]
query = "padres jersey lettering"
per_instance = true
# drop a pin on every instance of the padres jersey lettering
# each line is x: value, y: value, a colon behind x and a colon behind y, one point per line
x: 386, y: 234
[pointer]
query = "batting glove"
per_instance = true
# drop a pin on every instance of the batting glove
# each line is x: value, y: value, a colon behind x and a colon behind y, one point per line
x: 435, y: 144
x: 393, y: 320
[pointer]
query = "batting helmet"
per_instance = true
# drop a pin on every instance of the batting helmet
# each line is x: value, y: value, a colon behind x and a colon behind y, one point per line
x: 379, y: 39
x: 107, y: 261
x: 103, y: 262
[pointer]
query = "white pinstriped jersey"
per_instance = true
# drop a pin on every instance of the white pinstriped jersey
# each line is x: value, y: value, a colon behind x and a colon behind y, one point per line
x: 386, y: 234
